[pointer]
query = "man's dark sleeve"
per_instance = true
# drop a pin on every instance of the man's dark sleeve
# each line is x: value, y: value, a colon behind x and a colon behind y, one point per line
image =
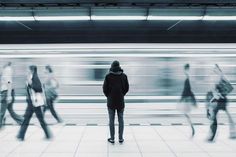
x: 105, y: 87
x: 126, y: 85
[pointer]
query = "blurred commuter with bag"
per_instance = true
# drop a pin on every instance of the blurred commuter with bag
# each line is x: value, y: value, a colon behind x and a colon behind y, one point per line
x: 51, y: 86
x: 35, y: 100
x: 217, y: 100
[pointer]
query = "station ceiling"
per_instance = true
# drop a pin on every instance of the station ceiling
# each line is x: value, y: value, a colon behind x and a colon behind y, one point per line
x: 118, y: 31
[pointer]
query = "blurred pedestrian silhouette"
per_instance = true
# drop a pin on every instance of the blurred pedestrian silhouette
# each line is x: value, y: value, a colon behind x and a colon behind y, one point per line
x: 115, y: 87
x: 187, y: 100
x: 51, y: 86
x: 35, y: 101
x: 8, y: 95
x: 217, y: 100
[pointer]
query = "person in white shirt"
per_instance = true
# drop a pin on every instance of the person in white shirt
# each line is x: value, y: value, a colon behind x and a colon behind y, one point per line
x: 8, y: 95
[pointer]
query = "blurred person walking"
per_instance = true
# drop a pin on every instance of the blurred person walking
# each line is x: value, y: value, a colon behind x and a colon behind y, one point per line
x: 8, y: 95
x: 115, y: 87
x: 51, y: 86
x: 35, y: 101
x: 187, y: 101
x: 217, y: 100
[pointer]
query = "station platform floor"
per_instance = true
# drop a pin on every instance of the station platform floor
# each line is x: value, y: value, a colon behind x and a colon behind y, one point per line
x: 135, y: 114
x: 140, y: 141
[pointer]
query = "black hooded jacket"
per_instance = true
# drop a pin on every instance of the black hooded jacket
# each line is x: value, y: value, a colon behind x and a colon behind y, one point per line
x: 115, y: 87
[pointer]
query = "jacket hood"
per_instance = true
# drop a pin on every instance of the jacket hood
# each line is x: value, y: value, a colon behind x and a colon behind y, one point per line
x: 116, y: 70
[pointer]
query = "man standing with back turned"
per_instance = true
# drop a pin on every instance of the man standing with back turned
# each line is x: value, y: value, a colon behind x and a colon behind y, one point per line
x: 115, y: 87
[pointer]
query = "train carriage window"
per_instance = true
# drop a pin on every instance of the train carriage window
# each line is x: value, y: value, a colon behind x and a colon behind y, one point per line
x: 99, y: 72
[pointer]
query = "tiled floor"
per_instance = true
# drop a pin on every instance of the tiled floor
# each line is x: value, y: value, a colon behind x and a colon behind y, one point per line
x: 140, y: 141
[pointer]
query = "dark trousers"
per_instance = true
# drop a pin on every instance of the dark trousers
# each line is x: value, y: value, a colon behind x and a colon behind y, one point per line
x: 28, y: 115
x: 50, y: 106
x: 213, y: 126
x: 120, y: 114
x: 8, y: 106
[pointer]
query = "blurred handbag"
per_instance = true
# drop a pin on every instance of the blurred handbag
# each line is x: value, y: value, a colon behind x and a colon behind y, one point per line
x: 224, y: 86
x: 37, y: 98
x: 52, y: 94
x: 51, y: 91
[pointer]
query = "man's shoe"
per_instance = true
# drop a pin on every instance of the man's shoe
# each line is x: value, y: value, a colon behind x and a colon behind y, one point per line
x: 111, y: 140
x: 59, y: 120
x: 19, y: 138
x: 48, y: 138
x: 121, y: 140
x: 210, y: 140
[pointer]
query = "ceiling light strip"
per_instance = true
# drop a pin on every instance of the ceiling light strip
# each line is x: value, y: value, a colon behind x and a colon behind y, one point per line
x: 16, y: 18
x: 93, y: 17
x: 114, y: 18
x: 150, y: 17
x: 61, y: 18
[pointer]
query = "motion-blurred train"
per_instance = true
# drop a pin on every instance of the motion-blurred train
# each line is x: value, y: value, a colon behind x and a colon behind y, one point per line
x: 155, y: 71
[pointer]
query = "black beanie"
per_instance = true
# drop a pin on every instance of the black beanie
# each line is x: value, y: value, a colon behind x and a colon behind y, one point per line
x: 115, y: 64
